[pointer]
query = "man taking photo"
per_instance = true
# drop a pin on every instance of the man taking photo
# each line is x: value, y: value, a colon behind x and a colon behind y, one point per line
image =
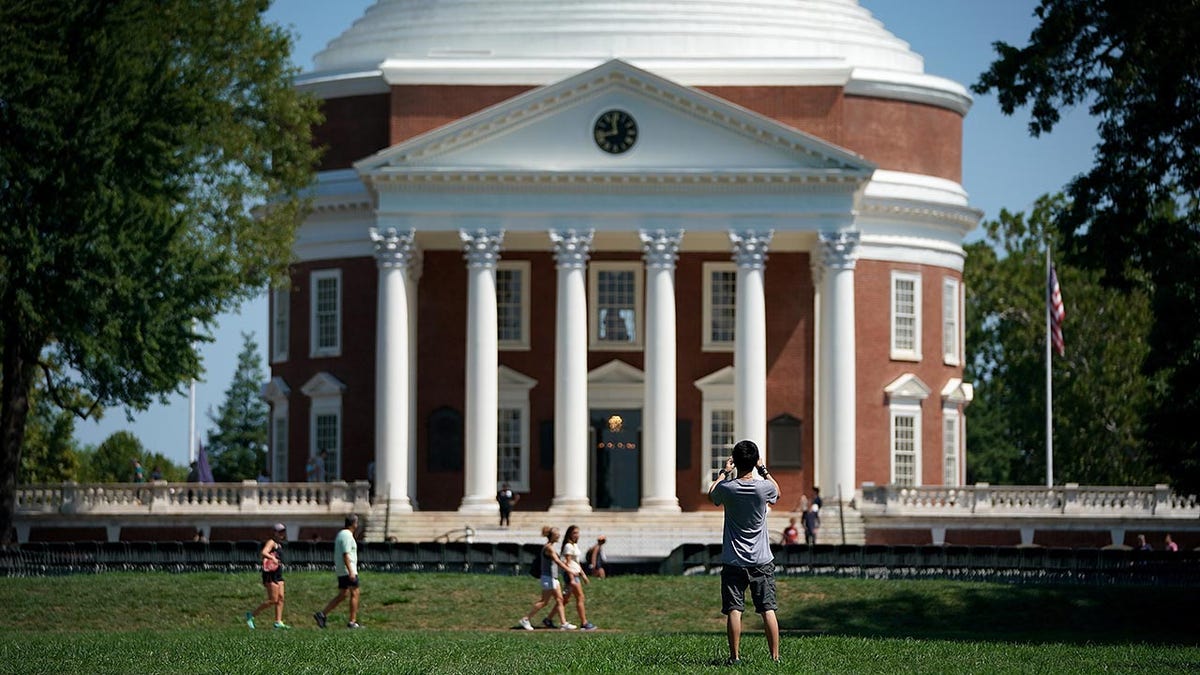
x: 745, y: 544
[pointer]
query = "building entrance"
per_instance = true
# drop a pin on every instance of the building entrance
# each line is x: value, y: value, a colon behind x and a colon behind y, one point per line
x: 616, y: 458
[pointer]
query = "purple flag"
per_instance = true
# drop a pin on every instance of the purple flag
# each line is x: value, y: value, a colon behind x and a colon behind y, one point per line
x: 202, y: 466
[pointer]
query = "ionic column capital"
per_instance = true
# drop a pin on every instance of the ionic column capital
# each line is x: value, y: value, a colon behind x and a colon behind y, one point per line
x: 571, y: 248
x: 481, y: 247
x: 661, y: 248
x: 393, y: 248
x: 839, y: 250
x: 750, y: 247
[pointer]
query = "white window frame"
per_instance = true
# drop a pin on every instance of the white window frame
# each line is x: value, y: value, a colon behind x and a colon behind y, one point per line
x: 907, y: 410
x: 717, y: 390
x: 281, y: 329
x: 328, y: 407
x: 315, y: 349
x: 905, y: 353
x: 522, y: 267
x: 514, y: 395
x: 325, y: 393
x: 279, y: 446
x: 639, y: 323
x: 707, y: 342
x: 951, y: 321
x: 951, y: 446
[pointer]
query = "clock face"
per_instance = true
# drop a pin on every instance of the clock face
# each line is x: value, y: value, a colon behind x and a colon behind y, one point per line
x: 615, y: 131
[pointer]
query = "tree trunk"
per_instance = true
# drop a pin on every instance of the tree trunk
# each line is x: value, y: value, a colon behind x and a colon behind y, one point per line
x: 19, y: 366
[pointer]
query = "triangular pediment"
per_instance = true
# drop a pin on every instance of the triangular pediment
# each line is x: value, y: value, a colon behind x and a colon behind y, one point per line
x: 717, y: 383
x: 514, y: 380
x: 323, y: 385
x: 907, y: 387
x: 616, y: 372
x: 276, y: 390
x: 680, y: 132
x: 957, y: 392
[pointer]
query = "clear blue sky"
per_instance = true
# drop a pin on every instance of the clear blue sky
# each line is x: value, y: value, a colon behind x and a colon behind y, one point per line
x: 1003, y: 167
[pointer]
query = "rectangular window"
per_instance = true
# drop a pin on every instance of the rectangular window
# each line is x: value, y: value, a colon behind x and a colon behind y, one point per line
x: 950, y: 434
x: 906, y: 316
x: 326, y: 313
x: 720, y: 304
x: 510, y: 447
x: 279, y: 447
x: 616, y: 296
x: 280, y: 324
x: 327, y: 436
x: 905, y: 446
x: 950, y: 322
x: 719, y: 444
x: 512, y: 304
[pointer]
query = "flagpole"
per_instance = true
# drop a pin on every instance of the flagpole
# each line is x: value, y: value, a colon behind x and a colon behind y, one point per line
x: 192, y: 421
x: 1049, y: 387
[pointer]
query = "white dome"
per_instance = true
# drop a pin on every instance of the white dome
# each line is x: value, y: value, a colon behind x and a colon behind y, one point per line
x: 828, y: 33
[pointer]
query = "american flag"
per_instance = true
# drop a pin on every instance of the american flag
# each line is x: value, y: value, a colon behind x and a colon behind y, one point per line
x: 1054, y: 304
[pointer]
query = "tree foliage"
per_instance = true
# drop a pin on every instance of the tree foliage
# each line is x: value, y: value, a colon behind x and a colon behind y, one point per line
x: 238, y: 444
x: 135, y: 137
x: 1136, y: 213
x: 1100, y: 392
x: 50, y: 453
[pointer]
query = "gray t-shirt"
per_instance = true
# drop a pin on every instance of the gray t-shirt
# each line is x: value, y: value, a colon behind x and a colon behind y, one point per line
x: 746, y: 541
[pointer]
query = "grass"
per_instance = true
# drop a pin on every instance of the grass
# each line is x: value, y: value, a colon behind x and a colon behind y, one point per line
x: 455, y: 623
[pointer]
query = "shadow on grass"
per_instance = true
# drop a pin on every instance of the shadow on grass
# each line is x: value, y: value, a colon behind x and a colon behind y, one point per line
x: 985, y: 613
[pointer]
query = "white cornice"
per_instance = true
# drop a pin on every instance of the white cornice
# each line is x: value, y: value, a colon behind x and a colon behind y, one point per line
x: 781, y: 72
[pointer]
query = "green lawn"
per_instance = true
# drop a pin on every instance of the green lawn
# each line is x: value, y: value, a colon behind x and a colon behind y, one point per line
x: 448, y: 623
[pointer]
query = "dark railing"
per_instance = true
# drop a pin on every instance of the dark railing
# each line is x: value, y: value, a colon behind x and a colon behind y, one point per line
x: 976, y: 563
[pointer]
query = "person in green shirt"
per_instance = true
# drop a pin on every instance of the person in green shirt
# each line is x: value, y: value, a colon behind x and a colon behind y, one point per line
x: 345, y: 562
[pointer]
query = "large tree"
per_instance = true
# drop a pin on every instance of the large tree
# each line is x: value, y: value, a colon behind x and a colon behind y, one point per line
x: 135, y: 138
x: 1101, y: 394
x: 238, y: 444
x: 1136, y: 213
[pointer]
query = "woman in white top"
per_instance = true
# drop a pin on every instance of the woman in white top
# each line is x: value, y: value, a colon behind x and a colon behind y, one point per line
x: 551, y: 590
x: 576, y: 577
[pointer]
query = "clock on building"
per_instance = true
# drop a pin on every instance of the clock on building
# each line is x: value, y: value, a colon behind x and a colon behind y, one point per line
x: 615, y: 131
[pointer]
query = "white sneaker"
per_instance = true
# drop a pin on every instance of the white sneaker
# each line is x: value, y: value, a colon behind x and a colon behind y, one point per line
x: 524, y: 623
x: 568, y: 626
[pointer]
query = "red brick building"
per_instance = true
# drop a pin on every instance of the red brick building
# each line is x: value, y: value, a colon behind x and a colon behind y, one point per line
x: 585, y: 256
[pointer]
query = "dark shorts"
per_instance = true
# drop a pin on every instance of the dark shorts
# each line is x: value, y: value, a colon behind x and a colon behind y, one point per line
x: 275, y: 577
x: 346, y: 582
x: 760, y: 579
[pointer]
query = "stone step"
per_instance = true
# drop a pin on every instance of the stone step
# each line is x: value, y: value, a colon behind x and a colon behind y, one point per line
x: 630, y: 534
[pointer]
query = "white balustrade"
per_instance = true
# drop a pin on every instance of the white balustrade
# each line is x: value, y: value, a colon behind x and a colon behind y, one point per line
x: 162, y: 498
x: 999, y: 501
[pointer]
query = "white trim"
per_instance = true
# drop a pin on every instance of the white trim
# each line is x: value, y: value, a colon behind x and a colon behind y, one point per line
x: 897, y: 353
x: 639, y: 291
x: 953, y: 449
x: 616, y: 384
x: 717, y: 391
x: 951, y: 354
x: 316, y: 351
x: 522, y: 268
x: 906, y: 410
x: 326, y: 391
x: 514, y: 395
x: 279, y: 447
x: 281, y: 324
x: 706, y: 342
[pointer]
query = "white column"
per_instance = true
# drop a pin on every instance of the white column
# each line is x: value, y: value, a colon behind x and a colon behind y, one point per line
x: 571, y: 250
x: 392, y: 253
x: 483, y: 362
x: 839, y: 253
x: 658, y: 421
x: 415, y: 267
x: 750, y: 340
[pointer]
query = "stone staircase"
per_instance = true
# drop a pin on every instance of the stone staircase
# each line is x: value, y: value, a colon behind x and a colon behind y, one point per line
x: 630, y: 534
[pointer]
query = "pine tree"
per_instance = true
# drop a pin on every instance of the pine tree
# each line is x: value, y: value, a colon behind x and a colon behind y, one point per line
x: 237, y: 447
